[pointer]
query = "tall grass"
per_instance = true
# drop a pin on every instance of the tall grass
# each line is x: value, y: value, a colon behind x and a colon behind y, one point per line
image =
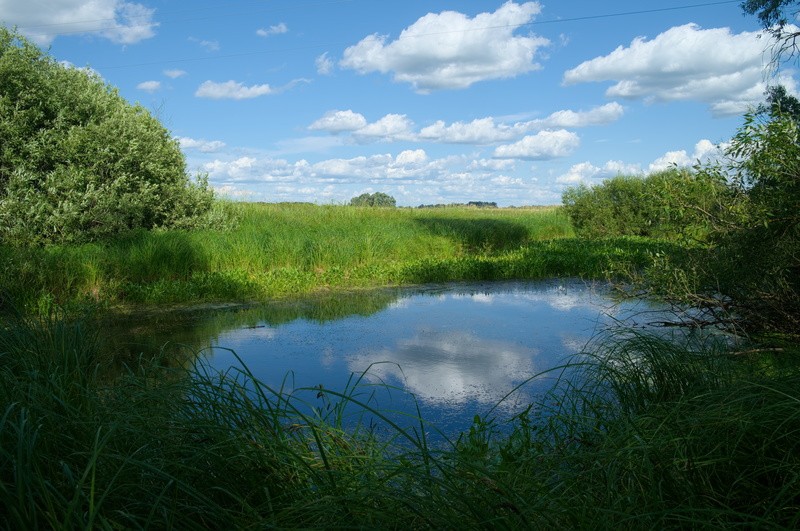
x: 280, y: 250
x: 639, y: 433
x: 276, y: 250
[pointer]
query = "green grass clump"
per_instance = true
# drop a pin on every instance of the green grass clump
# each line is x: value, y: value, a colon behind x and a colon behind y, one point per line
x: 640, y: 433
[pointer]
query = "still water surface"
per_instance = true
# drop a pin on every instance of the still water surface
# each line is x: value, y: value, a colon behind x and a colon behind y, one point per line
x: 459, y: 349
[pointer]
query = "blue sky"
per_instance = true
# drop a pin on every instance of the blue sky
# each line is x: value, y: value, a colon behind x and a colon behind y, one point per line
x: 431, y: 102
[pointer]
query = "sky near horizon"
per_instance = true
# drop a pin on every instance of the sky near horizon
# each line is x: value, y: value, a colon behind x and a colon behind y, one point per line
x: 431, y: 102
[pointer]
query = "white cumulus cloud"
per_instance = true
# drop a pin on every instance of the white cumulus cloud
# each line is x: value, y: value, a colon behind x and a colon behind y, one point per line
x: 149, y: 86
x: 588, y: 173
x: 238, y: 169
x: 714, y: 66
x: 116, y: 20
x: 390, y: 127
x: 231, y: 90
x: 488, y: 131
x: 704, y: 151
x: 410, y: 157
x: 449, y: 50
x: 205, y: 146
x: 338, y: 121
x: 605, y: 114
x: 277, y: 29
x: 478, y: 131
x: 541, y: 146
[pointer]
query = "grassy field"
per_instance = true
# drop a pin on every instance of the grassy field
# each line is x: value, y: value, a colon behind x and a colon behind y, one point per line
x: 275, y: 250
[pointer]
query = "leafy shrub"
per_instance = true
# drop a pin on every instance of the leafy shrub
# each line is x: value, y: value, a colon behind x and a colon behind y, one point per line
x: 78, y: 162
x: 672, y: 204
x: 378, y: 199
x: 756, y: 263
x: 746, y: 275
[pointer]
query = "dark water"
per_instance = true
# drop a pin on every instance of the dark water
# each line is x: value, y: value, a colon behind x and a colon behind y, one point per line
x: 459, y: 349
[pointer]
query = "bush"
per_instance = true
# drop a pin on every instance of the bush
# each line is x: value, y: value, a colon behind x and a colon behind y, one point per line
x: 673, y: 204
x: 378, y: 199
x: 756, y: 263
x: 78, y: 162
x: 744, y: 209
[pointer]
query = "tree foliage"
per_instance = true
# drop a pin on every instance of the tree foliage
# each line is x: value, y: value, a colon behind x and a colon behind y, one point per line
x: 77, y: 161
x: 776, y: 17
x: 759, y: 253
x: 378, y: 199
x: 771, y: 12
x: 779, y: 102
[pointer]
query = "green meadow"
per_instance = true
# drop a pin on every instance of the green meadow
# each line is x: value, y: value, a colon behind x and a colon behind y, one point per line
x: 279, y: 250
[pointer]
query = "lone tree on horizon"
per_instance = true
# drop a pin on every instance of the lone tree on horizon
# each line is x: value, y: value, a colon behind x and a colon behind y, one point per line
x: 378, y: 199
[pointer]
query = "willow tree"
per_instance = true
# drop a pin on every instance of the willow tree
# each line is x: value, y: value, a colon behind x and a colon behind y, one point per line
x: 77, y: 161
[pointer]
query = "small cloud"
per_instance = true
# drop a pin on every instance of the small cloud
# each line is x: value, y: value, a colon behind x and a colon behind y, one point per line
x: 586, y: 172
x: 390, y: 127
x: 605, y: 114
x: 339, y: 121
x: 478, y: 131
x: 231, y: 90
x: 210, y: 46
x: 149, y: 86
x: 704, y: 151
x: 324, y: 64
x: 174, y: 74
x: 87, y: 69
x: 543, y: 145
x: 205, y: 146
x: 272, y: 30
x: 411, y: 157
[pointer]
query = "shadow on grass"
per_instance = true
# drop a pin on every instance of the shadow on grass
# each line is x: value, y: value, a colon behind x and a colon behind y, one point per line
x: 150, y: 256
x: 563, y: 257
x: 478, y: 234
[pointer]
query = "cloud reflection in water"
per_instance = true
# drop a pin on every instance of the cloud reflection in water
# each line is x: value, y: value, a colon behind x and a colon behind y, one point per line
x: 451, y: 366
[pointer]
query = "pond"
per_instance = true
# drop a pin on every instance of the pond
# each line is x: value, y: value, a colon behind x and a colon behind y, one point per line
x: 452, y: 350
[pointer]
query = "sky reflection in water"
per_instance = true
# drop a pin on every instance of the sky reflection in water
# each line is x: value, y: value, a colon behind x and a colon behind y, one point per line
x: 460, y: 349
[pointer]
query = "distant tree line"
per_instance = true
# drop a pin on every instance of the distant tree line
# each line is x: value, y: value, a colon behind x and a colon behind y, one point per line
x: 476, y: 204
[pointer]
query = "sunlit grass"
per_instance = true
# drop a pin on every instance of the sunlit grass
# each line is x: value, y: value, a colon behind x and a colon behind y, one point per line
x: 275, y: 250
